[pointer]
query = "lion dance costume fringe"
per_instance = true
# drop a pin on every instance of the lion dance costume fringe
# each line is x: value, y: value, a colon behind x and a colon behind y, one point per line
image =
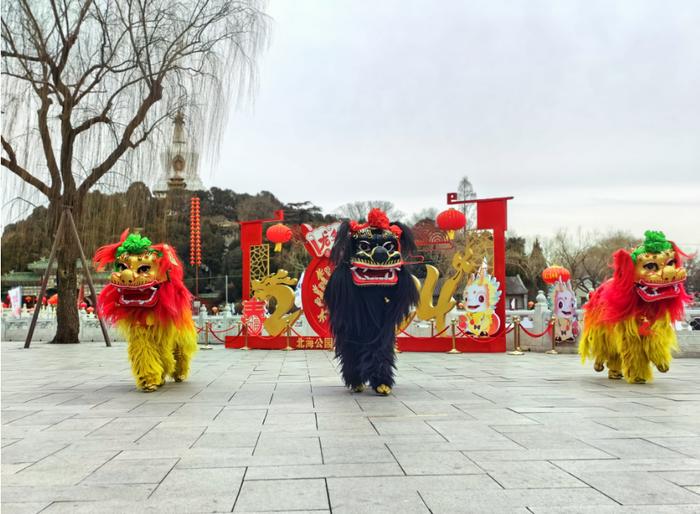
x: 628, y: 321
x: 369, y: 294
x: 148, y: 302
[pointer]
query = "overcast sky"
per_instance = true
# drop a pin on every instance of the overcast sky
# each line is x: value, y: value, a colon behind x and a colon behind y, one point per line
x: 587, y: 112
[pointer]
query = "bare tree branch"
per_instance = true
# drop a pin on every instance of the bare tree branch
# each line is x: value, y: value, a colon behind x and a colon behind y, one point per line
x: 11, y: 164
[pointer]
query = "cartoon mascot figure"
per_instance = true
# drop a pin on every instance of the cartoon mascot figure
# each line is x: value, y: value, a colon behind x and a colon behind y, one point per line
x: 149, y: 303
x: 368, y: 296
x: 563, y: 304
x: 628, y: 321
x: 481, y: 295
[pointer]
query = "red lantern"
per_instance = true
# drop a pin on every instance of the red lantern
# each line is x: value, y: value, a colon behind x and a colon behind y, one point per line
x: 553, y: 273
x: 279, y: 234
x: 451, y: 220
x: 83, y: 305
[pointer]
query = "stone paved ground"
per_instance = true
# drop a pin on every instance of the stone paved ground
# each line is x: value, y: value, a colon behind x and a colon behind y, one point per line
x: 266, y: 431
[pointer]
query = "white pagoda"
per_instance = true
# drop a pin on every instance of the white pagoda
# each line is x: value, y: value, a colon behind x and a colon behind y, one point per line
x: 179, y: 163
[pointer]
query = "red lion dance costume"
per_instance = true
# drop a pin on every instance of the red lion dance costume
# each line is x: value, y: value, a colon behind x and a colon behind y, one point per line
x: 149, y: 303
x: 629, y: 318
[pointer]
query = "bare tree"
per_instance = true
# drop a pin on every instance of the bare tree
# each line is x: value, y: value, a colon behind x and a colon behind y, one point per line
x: 466, y: 192
x: 358, y: 210
x: 88, y: 85
x: 587, y: 255
x: 429, y: 213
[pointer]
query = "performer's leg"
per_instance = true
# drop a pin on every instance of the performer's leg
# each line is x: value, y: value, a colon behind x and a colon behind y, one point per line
x: 380, y: 365
x: 348, y: 353
x: 635, y: 363
x: 614, y: 367
x: 145, y: 359
x: 185, y: 347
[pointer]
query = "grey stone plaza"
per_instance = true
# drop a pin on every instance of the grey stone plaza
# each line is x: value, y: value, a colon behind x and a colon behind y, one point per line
x: 264, y: 431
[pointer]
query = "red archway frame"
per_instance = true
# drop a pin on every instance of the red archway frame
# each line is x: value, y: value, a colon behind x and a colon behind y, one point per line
x: 492, y: 214
x: 252, y: 235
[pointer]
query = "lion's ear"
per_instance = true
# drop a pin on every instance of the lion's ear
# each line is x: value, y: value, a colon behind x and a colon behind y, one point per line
x: 342, y: 247
x: 170, y: 253
x: 408, y: 243
x: 623, y: 267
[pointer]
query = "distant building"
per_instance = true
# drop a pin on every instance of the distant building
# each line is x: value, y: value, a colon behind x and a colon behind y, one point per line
x: 516, y: 293
x: 180, y: 163
x: 30, y: 281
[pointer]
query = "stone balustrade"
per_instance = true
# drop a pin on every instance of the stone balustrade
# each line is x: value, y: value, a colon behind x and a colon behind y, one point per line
x: 227, y: 323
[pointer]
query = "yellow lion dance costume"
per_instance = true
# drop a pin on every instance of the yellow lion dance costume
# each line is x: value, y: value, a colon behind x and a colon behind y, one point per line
x: 149, y: 303
x: 628, y: 321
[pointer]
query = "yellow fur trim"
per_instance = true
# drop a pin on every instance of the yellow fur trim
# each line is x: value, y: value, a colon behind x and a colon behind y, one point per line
x: 622, y: 348
x: 158, y: 351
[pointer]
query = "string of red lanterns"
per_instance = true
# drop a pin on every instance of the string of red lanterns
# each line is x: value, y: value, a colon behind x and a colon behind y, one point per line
x: 195, y: 233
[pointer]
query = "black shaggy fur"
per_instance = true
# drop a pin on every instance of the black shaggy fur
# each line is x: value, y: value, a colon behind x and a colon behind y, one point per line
x: 364, y: 319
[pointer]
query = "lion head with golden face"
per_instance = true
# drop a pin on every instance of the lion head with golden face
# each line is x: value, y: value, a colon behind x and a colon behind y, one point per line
x: 658, y: 272
x: 146, y: 278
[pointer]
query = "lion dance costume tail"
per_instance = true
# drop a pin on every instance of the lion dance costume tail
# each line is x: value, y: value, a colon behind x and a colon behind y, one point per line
x: 148, y: 302
x: 628, y: 321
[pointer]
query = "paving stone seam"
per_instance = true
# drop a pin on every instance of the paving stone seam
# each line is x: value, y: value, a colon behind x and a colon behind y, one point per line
x: 505, y: 434
x: 328, y: 495
x: 396, y: 459
x: 554, y: 463
x: 22, y: 417
x: 164, y: 477
x: 423, y: 501
x: 99, y: 467
x: 198, y: 438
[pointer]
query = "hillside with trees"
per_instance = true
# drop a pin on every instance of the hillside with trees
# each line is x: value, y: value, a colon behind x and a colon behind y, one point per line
x: 167, y: 219
x: 587, y: 255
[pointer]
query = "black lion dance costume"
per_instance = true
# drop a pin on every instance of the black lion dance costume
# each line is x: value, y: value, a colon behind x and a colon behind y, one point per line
x: 369, y: 295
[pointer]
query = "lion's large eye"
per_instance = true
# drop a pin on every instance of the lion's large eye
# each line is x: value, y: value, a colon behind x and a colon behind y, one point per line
x: 481, y: 298
x: 672, y: 262
x: 364, y: 245
x: 144, y: 269
x: 651, y: 266
x: 120, y: 266
x: 389, y: 245
x: 561, y: 304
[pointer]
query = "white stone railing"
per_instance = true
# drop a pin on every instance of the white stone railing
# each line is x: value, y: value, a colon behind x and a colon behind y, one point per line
x: 226, y: 323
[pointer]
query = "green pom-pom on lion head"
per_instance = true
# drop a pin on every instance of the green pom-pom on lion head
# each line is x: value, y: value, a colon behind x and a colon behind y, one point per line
x: 654, y: 242
x: 134, y: 244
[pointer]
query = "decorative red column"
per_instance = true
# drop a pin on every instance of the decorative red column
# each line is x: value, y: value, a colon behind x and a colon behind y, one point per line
x: 252, y: 235
x: 492, y: 214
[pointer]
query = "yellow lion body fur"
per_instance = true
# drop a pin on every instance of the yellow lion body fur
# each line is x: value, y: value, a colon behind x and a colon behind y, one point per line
x: 624, y: 350
x: 157, y: 351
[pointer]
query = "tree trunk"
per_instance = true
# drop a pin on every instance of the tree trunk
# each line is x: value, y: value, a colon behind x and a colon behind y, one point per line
x: 68, y: 322
x: 68, y: 326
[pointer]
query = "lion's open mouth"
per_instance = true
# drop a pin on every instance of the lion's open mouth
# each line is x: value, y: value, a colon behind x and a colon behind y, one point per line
x: 374, y: 276
x: 655, y: 292
x: 138, y: 296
